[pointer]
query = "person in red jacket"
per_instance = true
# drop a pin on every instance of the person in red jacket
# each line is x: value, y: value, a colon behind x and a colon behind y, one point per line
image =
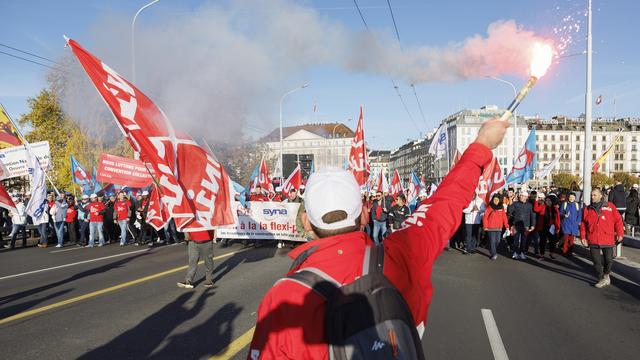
x: 200, y: 247
x: 122, y: 213
x: 601, y: 229
x: 494, y: 220
x: 258, y: 196
x: 71, y: 220
x: 539, y: 208
x: 550, y: 231
x: 96, y: 218
x: 291, y: 316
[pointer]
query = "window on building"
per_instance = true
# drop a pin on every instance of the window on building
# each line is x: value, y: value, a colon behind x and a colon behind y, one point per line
x: 593, y: 147
x: 544, y: 138
x: 604, y: 147
x: 604, y: 138
x: 578, y: 138
x: 593, y: 156
x: 553, y: 138
x: 577, y: 146
x: 577, y: 156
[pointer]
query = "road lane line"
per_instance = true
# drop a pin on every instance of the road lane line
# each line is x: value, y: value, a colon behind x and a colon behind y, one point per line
x: 72, y: 264
x: 68, y: 249
x: 235, y: 347
x: 499, y: 352
x: 104, y: 291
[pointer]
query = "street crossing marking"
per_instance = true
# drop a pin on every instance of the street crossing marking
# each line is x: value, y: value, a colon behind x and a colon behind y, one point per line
x: 72, y: 264
x: 235, y: 347
x: 497, y: 347
x: 104, y: 291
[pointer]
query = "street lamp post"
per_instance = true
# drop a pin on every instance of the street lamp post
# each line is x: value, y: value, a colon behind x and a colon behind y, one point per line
x: 515, y: 117
x: 281, y: 140
x: 587, y: 165
x: 133, y: 42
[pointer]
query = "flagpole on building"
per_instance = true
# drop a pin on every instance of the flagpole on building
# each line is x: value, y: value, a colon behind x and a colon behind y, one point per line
x: 28, y: 146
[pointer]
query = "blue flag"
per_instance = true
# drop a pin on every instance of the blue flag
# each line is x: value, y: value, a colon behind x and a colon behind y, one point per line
x: 240, y: 190
x: 254, y: 175
x: 525, y: 165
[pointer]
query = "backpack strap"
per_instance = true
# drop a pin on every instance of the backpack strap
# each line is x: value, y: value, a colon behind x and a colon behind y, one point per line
x: 373, y: 261
x: 316, y: 280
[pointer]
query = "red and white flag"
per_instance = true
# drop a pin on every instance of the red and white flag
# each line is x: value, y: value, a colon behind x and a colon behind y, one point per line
x: 157, y: 213
x: 491, y: 181
x: 195, y: 187
x: 396, y: 186
x: 358, y: 163
x: 5, y: 200
x: 263, y: 178
x: 381, y: 183
x: 293, y: 181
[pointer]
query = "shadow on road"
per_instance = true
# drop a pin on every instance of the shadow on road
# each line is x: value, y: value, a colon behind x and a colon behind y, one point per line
x: 254, y: 255
x: 147, y: 339
x: 17, y: 308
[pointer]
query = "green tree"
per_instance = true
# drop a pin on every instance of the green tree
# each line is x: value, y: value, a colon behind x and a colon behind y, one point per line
x: 626, y: 179
x: 564, y: 180
x: 600, y: 180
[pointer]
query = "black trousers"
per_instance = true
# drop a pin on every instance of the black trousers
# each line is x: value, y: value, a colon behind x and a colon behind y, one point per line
x: 552, y: 240
x: 602, y: 259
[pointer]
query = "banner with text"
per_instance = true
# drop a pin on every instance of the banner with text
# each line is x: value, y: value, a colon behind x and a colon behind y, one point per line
x: 15, y: 160
x: 123, y: 171
x: 263, y: 220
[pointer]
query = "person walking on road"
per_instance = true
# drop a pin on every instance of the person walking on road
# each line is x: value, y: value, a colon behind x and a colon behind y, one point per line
x: 83, y: 219
x: 631, y: 216
x: 59, y: 213
x: 399, y: 213
x: 522, y: 221
x: 18, y: 221
x: 601, y: 229
x: 200, y: 247
x: 96, y: 218
x: 550, y: 226
x: 122, y: 212
x: 570, y: 217
x: 472, y: 221
x: 71, y: 220
x: 494, y: 220
x: 294, y: 319
x: 618, y: 197
x: 379, y: 215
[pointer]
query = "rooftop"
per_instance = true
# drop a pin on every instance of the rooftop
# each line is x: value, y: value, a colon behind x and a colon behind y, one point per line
x: 326, y: 130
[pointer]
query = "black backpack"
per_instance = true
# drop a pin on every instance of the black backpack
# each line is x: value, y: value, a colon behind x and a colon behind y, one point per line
x: 366, y: 319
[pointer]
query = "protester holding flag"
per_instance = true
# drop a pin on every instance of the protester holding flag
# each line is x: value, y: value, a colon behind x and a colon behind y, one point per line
x: 96, y: 218
x: 122, y: 209
x: 494, y: 221
x: 18, y: 221
x: 141, y: 214
x: 71, y: 220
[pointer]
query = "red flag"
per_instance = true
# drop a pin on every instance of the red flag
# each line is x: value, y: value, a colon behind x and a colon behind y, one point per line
x: 194, y: 186
x: 293, y: 181
x: 157, y: 213
x: 5, y: 200
x: 358, y: 163
x: 396, y: 186
x: 491, y: 181
x: 263, y: 178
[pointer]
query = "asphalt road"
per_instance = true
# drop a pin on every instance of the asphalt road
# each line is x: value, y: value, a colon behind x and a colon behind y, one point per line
x: 123, y: 303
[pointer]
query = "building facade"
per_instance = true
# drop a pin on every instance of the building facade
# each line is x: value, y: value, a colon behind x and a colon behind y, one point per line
x: 413, y: 156
x: 322, y: 145
x: 379, y: 161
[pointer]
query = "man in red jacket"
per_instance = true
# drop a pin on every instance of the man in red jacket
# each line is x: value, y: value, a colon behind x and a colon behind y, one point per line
x: 601, y: 229
x: 291, y: 317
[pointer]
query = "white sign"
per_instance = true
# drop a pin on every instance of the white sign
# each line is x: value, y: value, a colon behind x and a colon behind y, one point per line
x: 263, y: 220
x: 15, y: 160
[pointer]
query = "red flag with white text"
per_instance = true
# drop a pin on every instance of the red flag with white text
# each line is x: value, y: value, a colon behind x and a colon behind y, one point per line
x: 157, y: 213
x: 358, y: 163
x: 293, y: 181
x: 192, y: 183
x: 5, y: 200
x: 263, y: 178
x: 396, y: 186
x: 491, y: 181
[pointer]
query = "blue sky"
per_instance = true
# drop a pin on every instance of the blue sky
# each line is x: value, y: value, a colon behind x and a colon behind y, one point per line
x: 37, y: 26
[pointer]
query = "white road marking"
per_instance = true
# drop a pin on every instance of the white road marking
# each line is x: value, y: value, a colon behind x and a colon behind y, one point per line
x: 499, y: 352
x: 72, y: 264
x: 65, y: 250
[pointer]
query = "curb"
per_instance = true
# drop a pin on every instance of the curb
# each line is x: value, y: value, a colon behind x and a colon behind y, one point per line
x: 631, y: 242
x: 626, y: 268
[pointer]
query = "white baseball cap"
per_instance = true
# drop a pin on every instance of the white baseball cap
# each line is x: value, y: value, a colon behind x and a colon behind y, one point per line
x: 524, y: 193
x: 94, y: 196
x: 85, y: 196
x: 332, y: 189
x: 541, y: 195
x: 145, y: 193
x: 635, y: 186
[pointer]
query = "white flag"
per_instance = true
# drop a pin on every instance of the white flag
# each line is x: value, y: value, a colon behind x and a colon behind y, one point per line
x: 36, y: 207
x: 440, y: 143
x: 545, y: 171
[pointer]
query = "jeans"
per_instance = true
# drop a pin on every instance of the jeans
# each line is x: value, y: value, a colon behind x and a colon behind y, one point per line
x: 95, y: 228
x: 42, y: 229
x: 196, y: 251
x: 14, y: 234
x: 494, y: 240
x: 545, y: 238
x: 471, y: 235
x: 379, y: 228
x: 602, y: 267
x: 71, y: 230
x: 123, y: 231
x: 59, y: 226
x: 534, y: 239
x: 520, y: 242
x: 84, y: 227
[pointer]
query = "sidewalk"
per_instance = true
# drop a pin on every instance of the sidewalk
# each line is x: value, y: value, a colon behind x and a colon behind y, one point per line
x: 628, y: 265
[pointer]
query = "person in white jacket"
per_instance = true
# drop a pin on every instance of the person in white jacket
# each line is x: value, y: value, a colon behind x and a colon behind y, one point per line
x: 19, y: 221
x: 472, y: 221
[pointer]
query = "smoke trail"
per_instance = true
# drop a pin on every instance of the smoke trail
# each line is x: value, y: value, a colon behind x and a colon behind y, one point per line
x: 222, y: 68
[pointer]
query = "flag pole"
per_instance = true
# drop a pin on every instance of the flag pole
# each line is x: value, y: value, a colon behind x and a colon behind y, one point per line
x: 27, y: 146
